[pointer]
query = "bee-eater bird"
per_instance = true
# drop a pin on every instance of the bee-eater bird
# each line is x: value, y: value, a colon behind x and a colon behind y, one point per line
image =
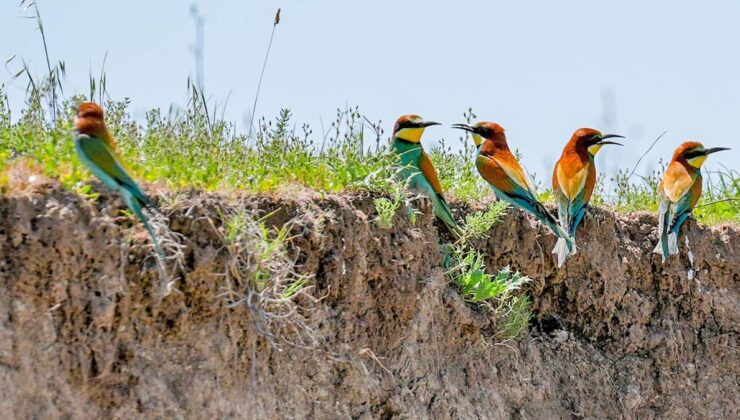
x: 573, y: 183
x: 498, y: 166
x: 678, y: 193
x: 97, y: 150
x: 416, y: 166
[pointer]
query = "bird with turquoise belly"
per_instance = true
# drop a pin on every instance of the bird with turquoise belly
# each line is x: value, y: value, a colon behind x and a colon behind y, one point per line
x: 416, y: 169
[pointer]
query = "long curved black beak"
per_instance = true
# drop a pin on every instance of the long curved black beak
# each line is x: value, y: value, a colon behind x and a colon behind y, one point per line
x: 465, y: 127
x: 715, y: 149
x: 610, y: 136
x: 428, y: 123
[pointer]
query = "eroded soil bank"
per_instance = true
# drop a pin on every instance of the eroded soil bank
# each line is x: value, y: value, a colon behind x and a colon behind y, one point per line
x: 85, y: 332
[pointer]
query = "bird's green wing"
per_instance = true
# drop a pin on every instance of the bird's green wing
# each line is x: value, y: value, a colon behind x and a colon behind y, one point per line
x: 686, y: 204
x: 577, y: 210
x: 563, y: 206
x: 509, y: 183
x: 427, y: 169
x: 104, y: 163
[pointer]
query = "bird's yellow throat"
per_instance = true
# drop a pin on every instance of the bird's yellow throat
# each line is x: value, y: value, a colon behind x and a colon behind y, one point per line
x: 594, y: 149
x: 412, y: 135
x: 696, y: 162
x: 477, y: 140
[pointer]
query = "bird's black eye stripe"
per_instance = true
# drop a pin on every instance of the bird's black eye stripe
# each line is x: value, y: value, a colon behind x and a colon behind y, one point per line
x: 694, y: 153
x: 407, y: 124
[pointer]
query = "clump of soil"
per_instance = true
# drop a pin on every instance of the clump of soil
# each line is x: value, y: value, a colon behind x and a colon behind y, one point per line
x: 85, y: 330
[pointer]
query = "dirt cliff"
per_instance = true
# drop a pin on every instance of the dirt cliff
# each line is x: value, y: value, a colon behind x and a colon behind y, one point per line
x: 85, y: 331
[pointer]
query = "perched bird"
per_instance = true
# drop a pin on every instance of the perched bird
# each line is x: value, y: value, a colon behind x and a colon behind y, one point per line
x: 97, y: 150
x: 498, y: 166
x: 416, y: 167
x: 678, y: 193
x: 573, y: 183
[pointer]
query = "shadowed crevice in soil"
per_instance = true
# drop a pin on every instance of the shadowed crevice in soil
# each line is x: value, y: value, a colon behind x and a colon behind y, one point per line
x: 83, y: 331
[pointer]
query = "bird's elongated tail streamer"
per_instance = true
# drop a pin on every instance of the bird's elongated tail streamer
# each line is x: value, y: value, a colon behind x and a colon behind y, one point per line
x: 135, y: 206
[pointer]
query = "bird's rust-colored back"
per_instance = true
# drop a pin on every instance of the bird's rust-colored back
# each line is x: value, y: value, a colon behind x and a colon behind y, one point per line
x: 506, y: 167
x: 90, y: 121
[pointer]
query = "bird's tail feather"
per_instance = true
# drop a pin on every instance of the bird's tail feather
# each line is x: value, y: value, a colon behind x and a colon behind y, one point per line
x: 537, y: 209
x: 550, y: 222
x: 563, y: 251
x: 663, y: 247
x: 668, y: 245
x: 673, y: 243
x: 442, y: 210
x: 133, y: 203
x: 659, y: 248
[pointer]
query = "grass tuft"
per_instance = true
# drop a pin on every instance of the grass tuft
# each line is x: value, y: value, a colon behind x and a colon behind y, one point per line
x: 260, y: 276
x: 478, y: 224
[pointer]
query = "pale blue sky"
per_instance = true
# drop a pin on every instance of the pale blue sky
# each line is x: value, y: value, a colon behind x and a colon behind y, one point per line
x: 541, y: 69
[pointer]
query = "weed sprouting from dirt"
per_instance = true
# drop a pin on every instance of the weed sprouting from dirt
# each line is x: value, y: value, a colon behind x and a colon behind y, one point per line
x: 513, y: 316
x: 500, y: 293
x: 478, y: 224
x: 260, y: 276
x: 388, y: 207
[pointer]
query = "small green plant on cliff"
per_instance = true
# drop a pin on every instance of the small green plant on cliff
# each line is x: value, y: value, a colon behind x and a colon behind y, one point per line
x: 388, y: 207
x: 478, y: 224
x: 501, y: 293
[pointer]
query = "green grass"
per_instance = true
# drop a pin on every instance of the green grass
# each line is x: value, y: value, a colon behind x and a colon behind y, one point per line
x: 186, y: 151
x: 192, y: 149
